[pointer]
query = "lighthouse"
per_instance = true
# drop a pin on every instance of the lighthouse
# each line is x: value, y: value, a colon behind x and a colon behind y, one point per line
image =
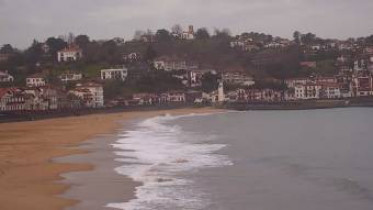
x: 221, y: 96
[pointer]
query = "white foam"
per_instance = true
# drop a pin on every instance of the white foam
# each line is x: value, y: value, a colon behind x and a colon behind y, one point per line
x: 157, y: 155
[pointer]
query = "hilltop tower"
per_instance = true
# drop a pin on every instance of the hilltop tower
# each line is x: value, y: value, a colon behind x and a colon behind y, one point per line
x: 191, y: 29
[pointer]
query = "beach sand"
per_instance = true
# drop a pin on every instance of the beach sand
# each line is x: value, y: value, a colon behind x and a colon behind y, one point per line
x: 31, y: 179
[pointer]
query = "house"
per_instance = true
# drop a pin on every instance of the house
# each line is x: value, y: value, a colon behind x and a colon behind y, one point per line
x: 330, y: 90
x: 176, y: 96
x: 40, y: 98
x: 188, y: 35
x: 70, y: 76
x: 360, y: 65
x: 90, y: 94
x: 6, y: 95
x: 36, y: 80
x: 145, y: 98
x: 70, y: 53
x: 131, y: 57
x: 114, y: 74
x: 11, y: 99
x: 275, y: 45
x: 312, y: 91
x: 170, y: 64
x: 237, y: 78
x: 6, y: 77
x: 185, y: 35
x: 299, y: 92
x: 362, y: 86
x: 307, y: 91
x: 291, y: 83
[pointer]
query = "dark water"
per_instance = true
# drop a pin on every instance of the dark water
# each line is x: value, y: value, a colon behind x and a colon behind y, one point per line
x: 318, y: 159
x: 282, y: 160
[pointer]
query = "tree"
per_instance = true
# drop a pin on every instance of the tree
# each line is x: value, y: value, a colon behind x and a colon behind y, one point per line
x: 177, y: 29
x: 150, y: 54
x: 369, y: 40
x: 223, y: 34
x: 82, y: 41
x: 297, y: 37
x: 55, y: 44
x: 202, y: 34
x: 209, y: 82
x: 308, y: 38
x: 7, y: 49
x: 163, y: 35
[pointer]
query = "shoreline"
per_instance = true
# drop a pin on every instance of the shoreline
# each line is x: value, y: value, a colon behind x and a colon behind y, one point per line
x: 28, y: 177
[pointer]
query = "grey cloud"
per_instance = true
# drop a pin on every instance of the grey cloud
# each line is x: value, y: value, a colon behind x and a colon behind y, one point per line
x: 23, y: 20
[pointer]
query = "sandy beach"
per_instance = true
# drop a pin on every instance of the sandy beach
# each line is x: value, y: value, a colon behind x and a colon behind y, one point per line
x: 29, y: 179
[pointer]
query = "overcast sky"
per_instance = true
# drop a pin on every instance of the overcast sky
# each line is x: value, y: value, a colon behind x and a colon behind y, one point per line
x: 23, y: 20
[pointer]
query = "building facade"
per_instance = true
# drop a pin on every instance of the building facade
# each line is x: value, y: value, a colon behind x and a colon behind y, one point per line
x: 114, y: 74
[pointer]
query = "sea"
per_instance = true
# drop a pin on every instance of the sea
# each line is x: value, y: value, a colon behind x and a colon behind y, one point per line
x: 254, y: 160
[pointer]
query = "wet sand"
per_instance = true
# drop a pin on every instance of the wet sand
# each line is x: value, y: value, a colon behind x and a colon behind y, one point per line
x: 30, y: 179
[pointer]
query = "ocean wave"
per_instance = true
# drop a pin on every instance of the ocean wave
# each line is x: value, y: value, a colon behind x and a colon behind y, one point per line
x: 158, y: 154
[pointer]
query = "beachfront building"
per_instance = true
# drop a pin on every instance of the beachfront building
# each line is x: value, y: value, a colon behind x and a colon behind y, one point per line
x: 11, y: 99
x: 330, y: 91
x: 36, y: 80
x: 362, y: 86
x: 70, y: 53
x: 90, y: 94
x: 173, y: 96
x: 114, y: 74
x: 5, y: 77
x: 40, y: 98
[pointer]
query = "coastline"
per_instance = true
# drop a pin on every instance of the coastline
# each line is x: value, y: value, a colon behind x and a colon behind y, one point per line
x: 28, y: 177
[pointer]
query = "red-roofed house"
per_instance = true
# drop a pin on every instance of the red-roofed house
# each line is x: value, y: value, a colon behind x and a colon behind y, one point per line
x: 91, y: 94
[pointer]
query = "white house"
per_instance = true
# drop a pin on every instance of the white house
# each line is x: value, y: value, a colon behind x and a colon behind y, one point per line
x: 299, y: 92
x: 6, y: 77
x: 114, y: 74
x: 185, y: 35
x: 11, y: 99
x: 308, y: 91
x: 332, y: 92
x: 70, y: 76
x: 91, y: 94
x: 70, y: 53
x: 36, y: 80
x: 176, y: 96
x: 170, y: 64
x: 188, y: 35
